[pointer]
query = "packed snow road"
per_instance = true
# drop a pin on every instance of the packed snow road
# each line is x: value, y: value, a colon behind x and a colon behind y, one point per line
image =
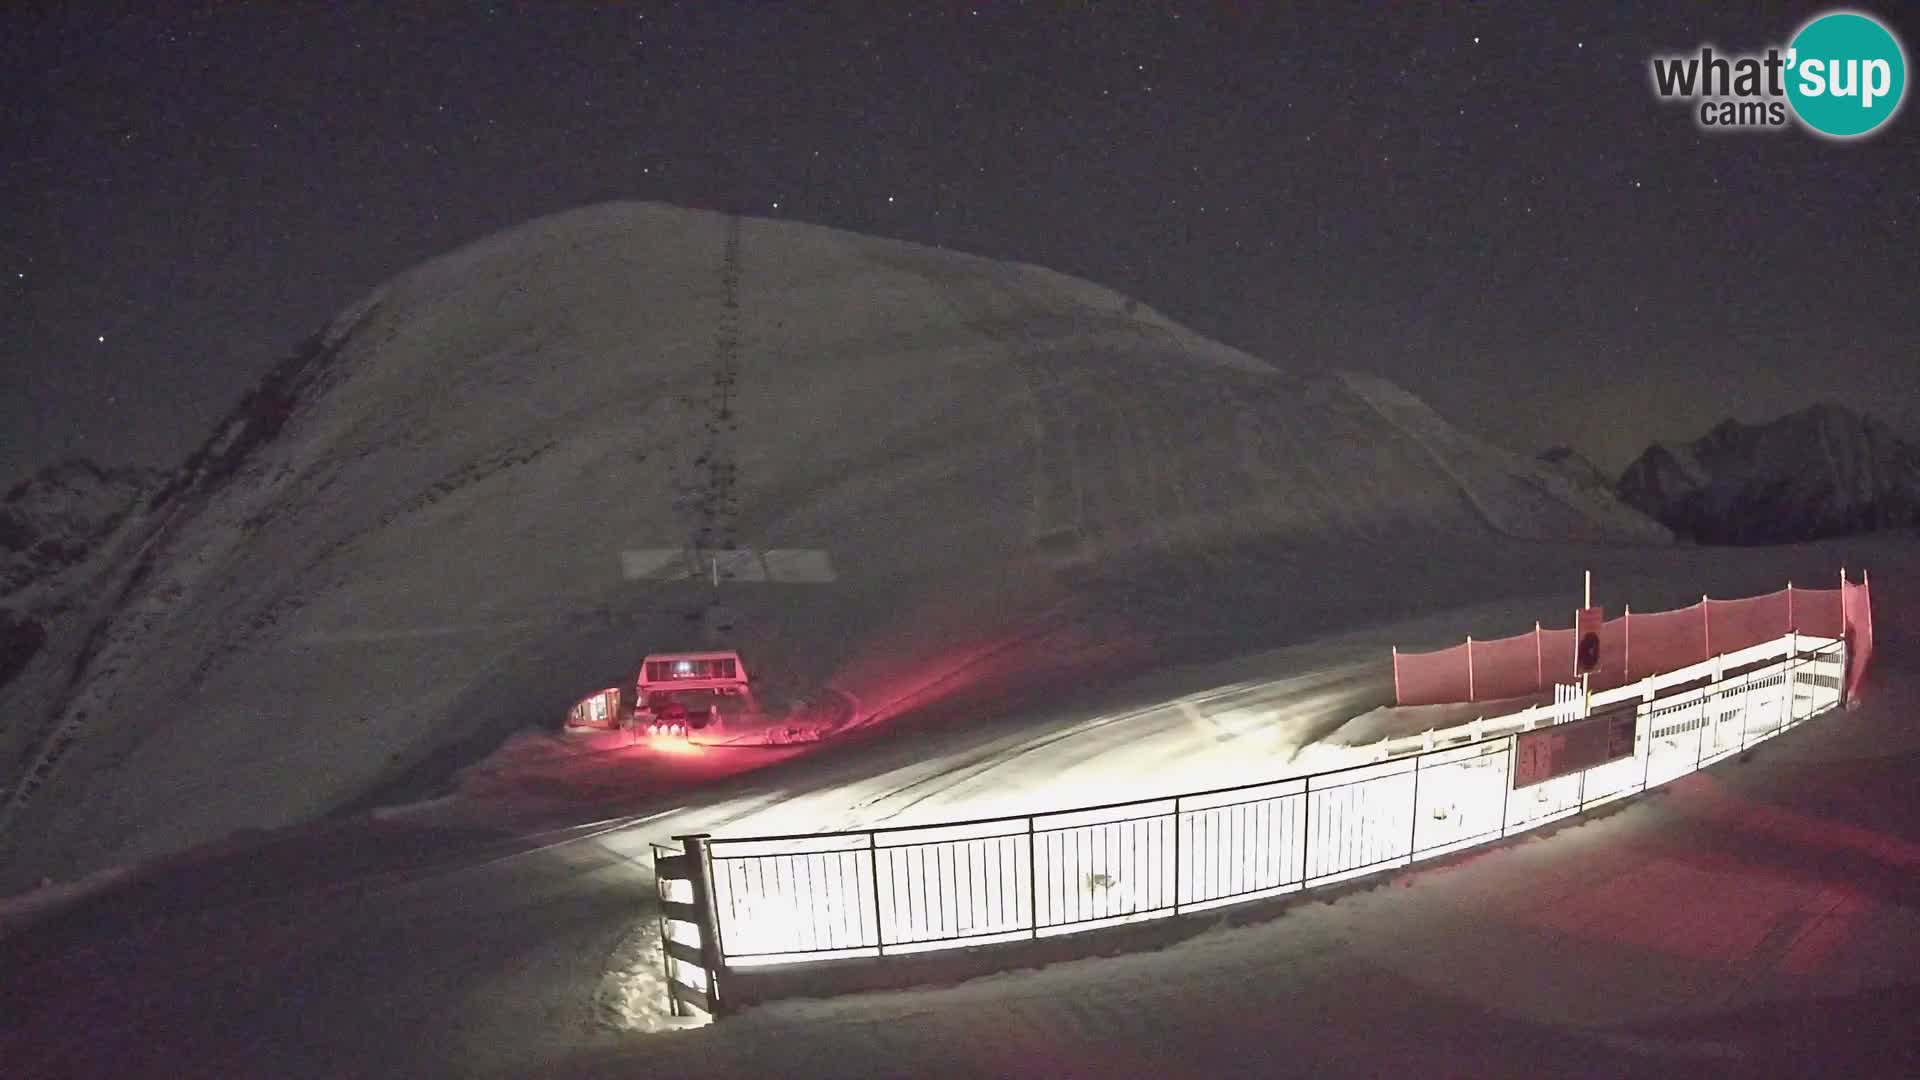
x: 1218, y: 738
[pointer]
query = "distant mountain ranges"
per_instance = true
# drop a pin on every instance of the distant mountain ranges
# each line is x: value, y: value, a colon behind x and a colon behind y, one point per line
x: 52, y: 519
x: 1821, y: 472
x: 51, y: 524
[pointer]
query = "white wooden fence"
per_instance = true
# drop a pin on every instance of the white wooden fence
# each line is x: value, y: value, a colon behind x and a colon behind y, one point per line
x: 885, y: 892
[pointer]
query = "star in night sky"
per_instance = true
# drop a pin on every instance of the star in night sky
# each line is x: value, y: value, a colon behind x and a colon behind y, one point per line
x: 1484, y: 204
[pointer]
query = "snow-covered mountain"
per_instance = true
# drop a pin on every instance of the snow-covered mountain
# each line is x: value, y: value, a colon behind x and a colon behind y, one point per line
x: 1576, y: 467
x: 897, y: 473
x: 56, y: 528
x: 1823, y: 471
x: 56, y: 517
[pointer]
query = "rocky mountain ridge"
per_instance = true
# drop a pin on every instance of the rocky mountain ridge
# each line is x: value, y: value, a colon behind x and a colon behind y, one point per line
x: 1823, y: 471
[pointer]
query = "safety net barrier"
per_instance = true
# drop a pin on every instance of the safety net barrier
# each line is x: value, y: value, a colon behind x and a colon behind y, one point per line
x: 1635, y: 645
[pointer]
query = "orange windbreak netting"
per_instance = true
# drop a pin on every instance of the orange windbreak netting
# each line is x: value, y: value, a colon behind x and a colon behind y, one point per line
x: 1636, y: 645
x: 1507, y: 667
x: 1666, y: 640
x: 1733, y: 625
x: 1433, y: 678
x: 1856, y: 612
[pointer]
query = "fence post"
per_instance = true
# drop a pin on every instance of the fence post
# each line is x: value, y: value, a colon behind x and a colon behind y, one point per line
x: 1413, y: 811
x: 1626, y: 647
x: 1793, y: 684
x: 1746, y: 707
x: 1866, y: 606
x: 1867, y: 610
x: 700, y: 877
x: 1539, y: 660
x: 1178, y: 867
x: 1470, y: 694
x: 1646, y: 743
x: 1033, y: 872
x: 1306, y: 829
x: 873, y: 867
x: 1866, y: 586
x: 1397, y: 699
x: 1513, y: 747
x: 1712, y: 724
x: 1706, y: 624
x: 1790, y: 622
x: 675, y: 1007
x: 1848, y: 638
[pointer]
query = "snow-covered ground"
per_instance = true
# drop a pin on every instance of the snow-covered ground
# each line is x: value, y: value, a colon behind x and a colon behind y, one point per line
x: 1759, y: 919
x: 1756, y: 917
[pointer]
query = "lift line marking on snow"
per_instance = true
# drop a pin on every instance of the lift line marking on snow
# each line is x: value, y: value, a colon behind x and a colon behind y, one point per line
x: 783, y: 566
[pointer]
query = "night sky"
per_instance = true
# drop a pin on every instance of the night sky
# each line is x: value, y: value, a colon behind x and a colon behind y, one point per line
x: 1485, y: 204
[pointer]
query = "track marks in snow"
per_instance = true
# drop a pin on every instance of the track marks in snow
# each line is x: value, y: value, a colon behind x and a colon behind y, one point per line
x: 1221, y: 718
x: 1057, y: 528
x: 465, y: 477
x: 705, y: 474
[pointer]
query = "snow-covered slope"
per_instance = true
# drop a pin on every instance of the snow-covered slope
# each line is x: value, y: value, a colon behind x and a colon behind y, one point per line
x: 464, y: 505
x: 1823, y: 471
x: 1518, y: 497
x: 1576, y: 467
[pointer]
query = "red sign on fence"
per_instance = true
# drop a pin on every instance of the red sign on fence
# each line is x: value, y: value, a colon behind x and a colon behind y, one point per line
x: 1552, y: 752
x: 1587, y: 623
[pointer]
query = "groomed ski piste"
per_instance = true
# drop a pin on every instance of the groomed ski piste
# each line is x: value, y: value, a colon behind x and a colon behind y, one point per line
x: 1215, y: 608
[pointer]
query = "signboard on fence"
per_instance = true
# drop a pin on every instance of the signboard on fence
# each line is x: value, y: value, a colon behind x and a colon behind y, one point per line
x: 1587, y: 624
x: 1552, y: 752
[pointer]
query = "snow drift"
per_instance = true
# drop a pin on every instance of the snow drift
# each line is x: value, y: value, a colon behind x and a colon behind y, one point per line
x: 443, y: 519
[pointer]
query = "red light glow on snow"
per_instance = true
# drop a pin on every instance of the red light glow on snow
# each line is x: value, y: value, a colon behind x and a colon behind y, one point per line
x: 891, y: 685
x: 1790, y: 827
x: 1768, y: 885
x: 673, y: 746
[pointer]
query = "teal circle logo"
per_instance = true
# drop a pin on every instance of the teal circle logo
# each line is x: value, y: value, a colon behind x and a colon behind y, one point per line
x: 1846, y: 74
